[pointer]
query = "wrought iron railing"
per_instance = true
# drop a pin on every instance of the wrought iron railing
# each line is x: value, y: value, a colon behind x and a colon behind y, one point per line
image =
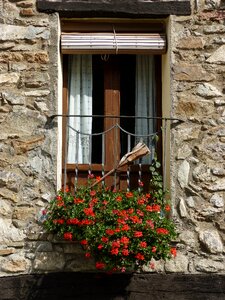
x: 129, y: 140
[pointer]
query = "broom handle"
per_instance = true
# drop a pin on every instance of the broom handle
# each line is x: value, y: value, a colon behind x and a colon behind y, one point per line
x: 103, y: 177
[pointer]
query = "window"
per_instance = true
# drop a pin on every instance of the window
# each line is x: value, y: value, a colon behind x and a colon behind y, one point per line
x: 112, y: 101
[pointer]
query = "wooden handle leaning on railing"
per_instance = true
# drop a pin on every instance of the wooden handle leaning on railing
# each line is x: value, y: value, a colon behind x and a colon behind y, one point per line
x: 137, y: 152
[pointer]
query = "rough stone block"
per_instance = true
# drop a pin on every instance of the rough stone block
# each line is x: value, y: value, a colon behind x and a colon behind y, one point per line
x: 188, y: 72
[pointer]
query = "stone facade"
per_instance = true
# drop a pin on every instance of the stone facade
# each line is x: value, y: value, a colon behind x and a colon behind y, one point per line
x: 29, y: 64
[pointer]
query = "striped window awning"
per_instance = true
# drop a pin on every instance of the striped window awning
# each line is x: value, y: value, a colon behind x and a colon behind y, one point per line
x: 113, y: 43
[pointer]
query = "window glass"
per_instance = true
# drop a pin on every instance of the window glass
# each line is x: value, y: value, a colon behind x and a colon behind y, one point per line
x: 119, y: 85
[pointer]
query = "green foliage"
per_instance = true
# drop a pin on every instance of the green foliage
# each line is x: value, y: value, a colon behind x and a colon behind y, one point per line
x: 121, y: 230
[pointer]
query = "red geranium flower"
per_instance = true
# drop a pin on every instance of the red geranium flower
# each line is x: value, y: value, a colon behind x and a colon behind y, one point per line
x: 149, y: 208
x: 87, y: 254
x: 143, y: 244
x: 129, y: 194
x: 100, y: 246
x: 115, y: 244
x: 92, y: 193
x: 119, y: 198
x: 173, y: 251
x: 68, y: 236
x: 162, y: 231
x: 74, y: 221
x: 104, y: 239
x: 84, y: 242
x: 125, y: 227
x: 60, y: 203
x: 138, y: 234
x: 135, y: 219
x: 109, y: 231
x: 150, y: 224
x: 78, y: 200
x: 99, y: 265
x: 141, y: 201
x: 140, y: 256
x: 89, y: 212
x: 58, y: 221
x: 156, y: 207
x: 114, y: 251
x: 167, y: 207
x: 98, y: 178
x: 124, y: 240
x: 154, y: 249
x: 125, y: 252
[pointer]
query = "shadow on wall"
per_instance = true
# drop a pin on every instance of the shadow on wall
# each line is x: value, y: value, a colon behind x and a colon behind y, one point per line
x: 101, y: 286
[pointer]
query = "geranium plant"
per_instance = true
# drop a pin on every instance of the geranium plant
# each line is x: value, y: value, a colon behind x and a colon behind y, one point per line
x: 120, y: 229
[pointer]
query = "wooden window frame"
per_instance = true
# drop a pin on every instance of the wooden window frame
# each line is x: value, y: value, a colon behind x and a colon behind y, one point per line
x: 108, y: 94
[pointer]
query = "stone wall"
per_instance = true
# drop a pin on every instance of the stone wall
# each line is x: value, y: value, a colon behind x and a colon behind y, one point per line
x: 28, y: 145
x: 198, y: 168
x: 28, y: 95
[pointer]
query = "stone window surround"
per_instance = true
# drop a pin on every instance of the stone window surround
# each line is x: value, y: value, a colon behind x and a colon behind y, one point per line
x: 166, y: 102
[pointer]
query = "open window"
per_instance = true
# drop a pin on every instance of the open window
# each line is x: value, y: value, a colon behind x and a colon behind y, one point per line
x: 112, y: 100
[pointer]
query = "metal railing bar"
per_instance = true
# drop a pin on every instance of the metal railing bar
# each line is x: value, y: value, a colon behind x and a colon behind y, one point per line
x: 65, y: 157
x: 89, y: 155
x: 103, y: 156
x: 76, y: 162
x: 128, y: 169
x: 111, y: 128
x: 164, y: 154
x: 115, y: 117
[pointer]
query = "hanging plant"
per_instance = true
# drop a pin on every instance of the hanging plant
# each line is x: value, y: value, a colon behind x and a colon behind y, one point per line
x: 120, y: 230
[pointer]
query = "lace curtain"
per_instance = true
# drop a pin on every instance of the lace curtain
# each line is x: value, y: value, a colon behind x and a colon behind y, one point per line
x: 80, y: 103
x: 145, y: 99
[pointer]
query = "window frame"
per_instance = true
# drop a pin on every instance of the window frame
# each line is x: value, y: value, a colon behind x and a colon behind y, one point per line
x: 98, y: 167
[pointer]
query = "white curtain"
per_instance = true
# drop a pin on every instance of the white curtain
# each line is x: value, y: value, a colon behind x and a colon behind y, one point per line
x: 145, y: 97
x: 80, y: 103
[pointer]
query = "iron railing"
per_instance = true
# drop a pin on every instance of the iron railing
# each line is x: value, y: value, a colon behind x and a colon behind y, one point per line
x: 119, y: 133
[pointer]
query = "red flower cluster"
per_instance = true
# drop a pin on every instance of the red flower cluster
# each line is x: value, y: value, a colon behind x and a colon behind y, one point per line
x: 162, y: 231
x: 119, y: 229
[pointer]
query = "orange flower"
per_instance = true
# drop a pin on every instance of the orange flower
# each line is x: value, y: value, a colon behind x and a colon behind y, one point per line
x: 119, y: 198
x: 167, y: 207
x: 156, y: 207
x: 98, y: 178
x: 129, y: 194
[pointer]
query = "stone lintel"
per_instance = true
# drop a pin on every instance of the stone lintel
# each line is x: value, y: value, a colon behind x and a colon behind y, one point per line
x: 116, y: 8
